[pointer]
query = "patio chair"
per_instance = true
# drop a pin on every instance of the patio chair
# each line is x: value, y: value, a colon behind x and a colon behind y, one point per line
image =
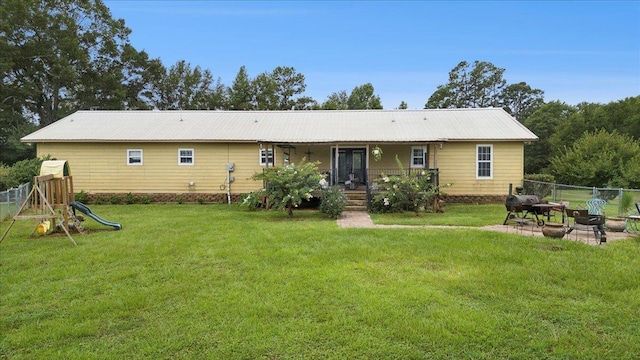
x: 632, y: 221
x: 353, y: 182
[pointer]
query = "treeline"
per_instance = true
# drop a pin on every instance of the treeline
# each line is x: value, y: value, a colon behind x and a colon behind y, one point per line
x: 57, y: 57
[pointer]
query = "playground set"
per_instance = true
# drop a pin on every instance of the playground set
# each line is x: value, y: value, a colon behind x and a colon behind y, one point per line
x: 52, y: 205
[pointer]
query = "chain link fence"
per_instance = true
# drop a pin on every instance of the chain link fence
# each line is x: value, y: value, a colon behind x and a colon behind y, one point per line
x: 12, y: 199
x: 619, y: 201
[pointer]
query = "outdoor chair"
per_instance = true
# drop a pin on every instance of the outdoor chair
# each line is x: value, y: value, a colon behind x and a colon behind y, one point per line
x: 632, y: 220
x: 353, y: 182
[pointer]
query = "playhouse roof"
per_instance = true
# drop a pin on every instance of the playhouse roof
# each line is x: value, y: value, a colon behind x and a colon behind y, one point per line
x: 57, y: 168
x: 321, y: 126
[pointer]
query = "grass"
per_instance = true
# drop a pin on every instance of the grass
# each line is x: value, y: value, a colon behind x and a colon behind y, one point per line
x: 194, y: 281
x: 455, y: 214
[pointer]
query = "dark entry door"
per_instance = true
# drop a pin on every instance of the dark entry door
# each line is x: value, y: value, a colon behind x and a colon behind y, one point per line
x: 351, y: 161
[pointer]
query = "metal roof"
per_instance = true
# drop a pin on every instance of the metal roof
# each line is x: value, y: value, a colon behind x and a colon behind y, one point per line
x: 318, y: 126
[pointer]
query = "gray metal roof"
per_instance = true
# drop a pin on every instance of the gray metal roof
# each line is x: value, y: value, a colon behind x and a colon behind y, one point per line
x: 331, y: 126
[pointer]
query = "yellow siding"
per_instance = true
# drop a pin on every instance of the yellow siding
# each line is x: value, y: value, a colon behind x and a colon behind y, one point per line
x: 102, y: 168
x: 457, y: 164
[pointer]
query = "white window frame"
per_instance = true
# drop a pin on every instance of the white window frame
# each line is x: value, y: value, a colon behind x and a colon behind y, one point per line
x: 192, y: 157
x: 130, y: 157
x: 263, y: 156
x: 484, y: 161
x: 413, y: 157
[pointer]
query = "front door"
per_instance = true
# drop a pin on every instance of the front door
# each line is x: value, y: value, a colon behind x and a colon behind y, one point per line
x: 350, y: 161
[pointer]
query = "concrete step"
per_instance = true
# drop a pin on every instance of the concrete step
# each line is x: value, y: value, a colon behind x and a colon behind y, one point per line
x: 355, y: 208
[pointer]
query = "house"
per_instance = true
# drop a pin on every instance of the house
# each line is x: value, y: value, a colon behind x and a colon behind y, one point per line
x: 213, y: 154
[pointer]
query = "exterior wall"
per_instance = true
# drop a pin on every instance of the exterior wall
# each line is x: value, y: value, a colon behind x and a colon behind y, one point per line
x: 102, y: 167
x: 457, y: 164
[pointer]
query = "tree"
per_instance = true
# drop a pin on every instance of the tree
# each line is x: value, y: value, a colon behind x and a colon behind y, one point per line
x: 289, y: 84
x: 482, y: 85
x: 336, y: 101
x: 61, y: 56
x: 520, y: 100
x: 598, y: 158
x: 363, y: 97
x: 241, y: 93
x: 544, y: 122
x: 183, y: 88
x: 402, y: 106
x: 12, y: 127
x: 470, y: 87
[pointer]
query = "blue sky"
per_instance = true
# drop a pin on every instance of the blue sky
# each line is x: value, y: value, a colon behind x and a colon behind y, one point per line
x: 573, y: 50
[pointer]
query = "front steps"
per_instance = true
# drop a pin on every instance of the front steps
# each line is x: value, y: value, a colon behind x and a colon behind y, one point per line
x: 356, y: 200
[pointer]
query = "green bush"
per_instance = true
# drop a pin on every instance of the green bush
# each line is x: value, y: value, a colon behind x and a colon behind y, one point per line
x: 286, y: 186
x: 600, y: 159
x: 333, y: 202
x: 82, y: 197
x: 115, y: 199
x: 21, y: 172
x: 145, y: 199
x: 405, y: 192
x: 130, y: 199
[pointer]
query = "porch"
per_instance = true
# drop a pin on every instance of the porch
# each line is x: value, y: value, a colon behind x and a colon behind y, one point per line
x: 360, y: 187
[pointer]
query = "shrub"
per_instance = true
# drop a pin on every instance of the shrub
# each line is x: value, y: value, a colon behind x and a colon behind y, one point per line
x: 333, y: 202
x: 21, y: 172
x: 115, y: 199
x: 179, y: 199
x: 404, y: 192
x: 145, y: 199
x: 130, y: 199
x: 286, y: 186
x: 82, y: 197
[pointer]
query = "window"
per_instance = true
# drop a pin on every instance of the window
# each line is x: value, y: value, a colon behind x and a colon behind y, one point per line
x: 419, y: 157
x: 266, y: 157
x: 185, y: 157
x: 484, y: 163
x: 134, y: 157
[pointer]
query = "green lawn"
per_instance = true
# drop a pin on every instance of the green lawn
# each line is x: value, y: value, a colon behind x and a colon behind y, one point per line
x: 219, y: 282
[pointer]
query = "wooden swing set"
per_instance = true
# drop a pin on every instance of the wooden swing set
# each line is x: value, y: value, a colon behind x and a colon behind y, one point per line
x: 49, y: 200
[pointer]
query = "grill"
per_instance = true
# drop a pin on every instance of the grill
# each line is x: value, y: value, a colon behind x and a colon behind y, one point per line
x: 521, y: 203
x: 520, y: 206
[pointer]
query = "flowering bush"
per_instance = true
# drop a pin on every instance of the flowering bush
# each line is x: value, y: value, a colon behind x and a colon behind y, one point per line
x: 404, y: 192
x: 285, y: 186
x: 333, y: 202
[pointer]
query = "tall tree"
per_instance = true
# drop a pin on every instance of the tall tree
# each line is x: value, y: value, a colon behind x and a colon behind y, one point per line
x: 481, y: 84
x: 544, y: 122
x: 241, y: 92
x: 336, y: 101
x: 265, y: 89
x: 520, y: 100
x: 184, y: 88
x: 403, y: 105
x: 290, y: 85
x: 363, y: 97
x: 59, y: 56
